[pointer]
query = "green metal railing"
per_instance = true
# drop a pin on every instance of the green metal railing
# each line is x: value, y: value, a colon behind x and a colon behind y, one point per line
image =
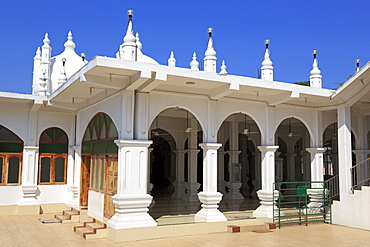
x: 302, y: 202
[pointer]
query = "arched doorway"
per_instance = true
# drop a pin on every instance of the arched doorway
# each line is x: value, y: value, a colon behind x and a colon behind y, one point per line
x: 11, y: 148
x: 160, y: 163
x: 331, y: 154
x: 238, y: 165
x: 53, y: 150
x: 99, y: 165
x: 293, y: 161
x: 176, y: 161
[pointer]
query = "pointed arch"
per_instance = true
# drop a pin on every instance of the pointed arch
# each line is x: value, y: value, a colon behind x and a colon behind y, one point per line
x: 53, y: 149
x: 11, y: 148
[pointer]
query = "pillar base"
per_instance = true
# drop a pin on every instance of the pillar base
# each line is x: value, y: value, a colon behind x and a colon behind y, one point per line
x: 316, y: 200
x: 74, y: 202
x: 209, y: 211
x: 267, y: 208
x: 192, y: 192
x: 179, y: 190
x: 29, y: 195
x: 131, y: 212
x: 234, y: 193
x: 221, y: 186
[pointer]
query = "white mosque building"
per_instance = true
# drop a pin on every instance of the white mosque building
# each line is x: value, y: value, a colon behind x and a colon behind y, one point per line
x: 112, y: 133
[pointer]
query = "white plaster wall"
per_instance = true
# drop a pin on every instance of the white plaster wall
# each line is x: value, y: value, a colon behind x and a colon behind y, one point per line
x: 353, y: 209
x: 198, y: 106
x: 53, y: 193
x: 10, y: 194
x: 59, y: 120
x: 305, y: 115
x: 257, y: 111
x: 328, y: 117
x: 96, y: 203
x: 16, y: 121
x: 110, y: 106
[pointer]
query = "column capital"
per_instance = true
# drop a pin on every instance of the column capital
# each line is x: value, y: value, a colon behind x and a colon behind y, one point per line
x: 31, y: 148
x: 213, y: 146
x: 77, y: 148
x: 193, y: 151
x: 267, y: 148
x: 358, y: 152
x: 179, y: 151
x: 133, y: 143
x: 233, y: 152
x: 315, y: 150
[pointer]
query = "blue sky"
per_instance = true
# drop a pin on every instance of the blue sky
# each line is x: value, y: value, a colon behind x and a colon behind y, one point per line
x: 339, y: 30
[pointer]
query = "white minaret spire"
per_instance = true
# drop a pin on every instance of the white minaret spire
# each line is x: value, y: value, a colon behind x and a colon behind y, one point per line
x: 63, y: 73
x: 267, y: 70
x: 44, y: 80
x: 223, y: 68
x: 138, y: 43
x: 36, y: 69
x: 194, y: 64
x: 172, y: 60
x: 315, y: 74
x: 128, y: 49
x: 357, y: 65
x: 69, y: 44
x: 210, y: 55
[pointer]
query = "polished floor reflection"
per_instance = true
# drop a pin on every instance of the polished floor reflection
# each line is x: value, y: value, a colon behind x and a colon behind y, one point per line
x: 166, y: 207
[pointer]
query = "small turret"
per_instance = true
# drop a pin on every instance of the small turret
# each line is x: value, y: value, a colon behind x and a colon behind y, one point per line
x: 36, y: 68
x: 223, y: 68
x: 357, y: 65
x: 315, y: 74
x: 63, y: 73
x: 267, y: 70
x: 45, y: 67
x: 128, y: 50
x: 210, y: 58
x: 138, y: 43
x: 194, y: 64
x: 172, y: 60
x: 46, y: 50
x: 69, y: 45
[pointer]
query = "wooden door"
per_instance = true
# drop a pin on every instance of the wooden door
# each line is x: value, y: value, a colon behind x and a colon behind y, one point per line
x: 111, y: 177
x: 85, y: 180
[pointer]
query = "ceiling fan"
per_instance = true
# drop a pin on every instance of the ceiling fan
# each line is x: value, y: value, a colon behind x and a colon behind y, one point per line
x: 247, y: 131
x: 188, y: 128
x: 158, y: 131
x: 290, y: 133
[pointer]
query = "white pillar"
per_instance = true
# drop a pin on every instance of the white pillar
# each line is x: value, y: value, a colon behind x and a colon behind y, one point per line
x: 73, y: 174
x: 29, y: 175
x: 179, y: 183
x: 291, y: 166
x: 209, y: 196
x: 221, y: 173
x: 192, y: 185
x: 234, y: 193
x: 267, y: 194
x: 316, y: 194
x: 344, y: 148
x: 132, y: 200
x: 317, y: 165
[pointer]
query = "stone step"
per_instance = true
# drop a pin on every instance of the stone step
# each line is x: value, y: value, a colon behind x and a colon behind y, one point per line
x: 250, y: 228
x: 92, y: 230
x: 68, y: 216
x: 96, y: 226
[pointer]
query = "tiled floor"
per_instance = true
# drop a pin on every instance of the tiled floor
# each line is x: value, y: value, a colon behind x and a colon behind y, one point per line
x: 28, y: 231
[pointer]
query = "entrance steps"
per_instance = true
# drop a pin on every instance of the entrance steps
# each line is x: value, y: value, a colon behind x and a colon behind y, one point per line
x: 69, y: 216
x: 92, y: 229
